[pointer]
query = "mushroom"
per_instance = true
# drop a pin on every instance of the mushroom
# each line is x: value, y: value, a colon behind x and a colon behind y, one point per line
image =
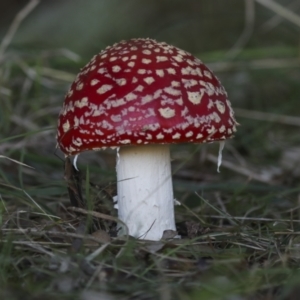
x: 140, y: 96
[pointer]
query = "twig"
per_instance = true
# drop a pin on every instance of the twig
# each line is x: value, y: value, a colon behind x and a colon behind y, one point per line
x: 28, y: 243
x: 16, y: 161
x: 35, y: 246
x: 287, y: 233
x: 23, y: 122
x: 255, y: 64
x: 57, y: 74
x: 22, y: 14
x: 281, y: 11
x: 274, y: 21
x: 99, y: 216
x: 96, y: 253
x: 251, y: 219
x: 218, y: 210
x: 94, y: 214
x: 247, y: 246
x: 45, y: 233
x: 247, y: 32
x: 241, y: 170
x: 263, y: 116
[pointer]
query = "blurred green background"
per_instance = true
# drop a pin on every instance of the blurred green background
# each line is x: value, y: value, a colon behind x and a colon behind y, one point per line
x: 85, y: 27
x: 199, y: 26
x: 236, y: 36
x: 252, y: 46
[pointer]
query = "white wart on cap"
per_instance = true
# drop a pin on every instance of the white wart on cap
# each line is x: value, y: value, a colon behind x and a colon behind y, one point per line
x: 141, y: 92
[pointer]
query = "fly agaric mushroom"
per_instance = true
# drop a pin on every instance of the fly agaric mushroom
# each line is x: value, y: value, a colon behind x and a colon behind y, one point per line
x: 140, y: 96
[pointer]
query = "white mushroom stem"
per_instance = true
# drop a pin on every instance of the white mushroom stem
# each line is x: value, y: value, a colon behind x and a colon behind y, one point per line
x: 145, y: 192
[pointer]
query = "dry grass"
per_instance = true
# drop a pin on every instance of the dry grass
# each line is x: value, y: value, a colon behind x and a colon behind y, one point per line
x: 240, y: 228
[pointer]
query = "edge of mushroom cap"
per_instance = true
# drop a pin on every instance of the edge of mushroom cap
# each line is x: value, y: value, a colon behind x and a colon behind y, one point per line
x: 66, y: 127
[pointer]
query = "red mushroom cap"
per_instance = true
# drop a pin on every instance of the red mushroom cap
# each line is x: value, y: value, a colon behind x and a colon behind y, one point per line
x: 141, y: 92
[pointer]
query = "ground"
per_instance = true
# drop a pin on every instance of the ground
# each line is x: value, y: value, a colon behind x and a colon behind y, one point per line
x: 239, y: 227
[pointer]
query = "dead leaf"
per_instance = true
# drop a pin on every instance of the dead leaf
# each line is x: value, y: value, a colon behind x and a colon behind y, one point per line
x: 169, y: 234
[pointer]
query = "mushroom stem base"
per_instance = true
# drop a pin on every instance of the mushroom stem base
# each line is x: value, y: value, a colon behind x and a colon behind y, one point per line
x: 145, y: 192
